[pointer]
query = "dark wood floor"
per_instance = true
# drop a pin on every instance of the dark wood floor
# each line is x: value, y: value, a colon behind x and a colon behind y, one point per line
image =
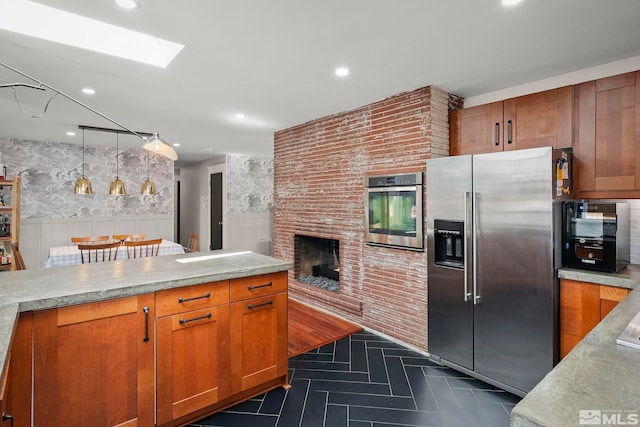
x: 310, y: 328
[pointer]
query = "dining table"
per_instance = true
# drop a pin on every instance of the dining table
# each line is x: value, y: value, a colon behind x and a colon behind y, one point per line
x: 60, y: 256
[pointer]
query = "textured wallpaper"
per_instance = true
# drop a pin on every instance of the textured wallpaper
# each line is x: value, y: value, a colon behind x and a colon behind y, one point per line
x: 249, y: 185
x: 49, y: 171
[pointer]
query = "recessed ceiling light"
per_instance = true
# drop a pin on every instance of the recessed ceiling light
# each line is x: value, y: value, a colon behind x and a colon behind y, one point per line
x: 342, y: 71
x: 128, y: 4
x: 88, y: 91
x: 176, y: 144
x: 239, y: 115
x: 45, y: 22
x: 70, y: 133
x: 510, y: 2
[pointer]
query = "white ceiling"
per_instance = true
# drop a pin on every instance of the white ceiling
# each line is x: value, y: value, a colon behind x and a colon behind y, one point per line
x: 274, y: 61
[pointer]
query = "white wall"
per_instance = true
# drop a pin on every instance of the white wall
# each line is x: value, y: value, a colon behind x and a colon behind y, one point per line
x: 588, y: 74
x: 37, y: 235
x: 249, y: 202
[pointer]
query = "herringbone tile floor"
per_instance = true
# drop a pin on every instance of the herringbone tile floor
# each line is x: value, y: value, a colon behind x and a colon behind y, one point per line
x: 364, y: 380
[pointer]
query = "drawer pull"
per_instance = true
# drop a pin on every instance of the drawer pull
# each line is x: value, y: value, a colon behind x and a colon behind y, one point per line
x: 206, y: 316
x: 259, y: 286
x: 250, y: 306
x: 7, y: 417
x: 207, y: 295
x: 146, y: 324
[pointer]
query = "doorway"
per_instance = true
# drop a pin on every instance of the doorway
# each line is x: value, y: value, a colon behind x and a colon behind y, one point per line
x: 216, y: 208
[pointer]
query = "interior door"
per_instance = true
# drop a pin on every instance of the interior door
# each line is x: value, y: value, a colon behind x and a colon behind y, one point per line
x: 216, y: 225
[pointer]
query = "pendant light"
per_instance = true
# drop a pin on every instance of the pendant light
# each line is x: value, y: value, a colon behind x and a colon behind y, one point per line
x: 116, y: 187
x: 160, y: 146
x: 83, y: 185
x: 148, y: 187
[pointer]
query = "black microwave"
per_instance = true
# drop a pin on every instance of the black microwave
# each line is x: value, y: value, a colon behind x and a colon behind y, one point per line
x: 596, y: 235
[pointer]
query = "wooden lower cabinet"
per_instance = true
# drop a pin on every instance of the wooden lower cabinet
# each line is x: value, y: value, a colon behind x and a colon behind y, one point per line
x: 582, y: 306
x: 16, y: 398
x: 258, y: 341
x: 93, y: 363
x: 192, y: 353
x: 164, y: 359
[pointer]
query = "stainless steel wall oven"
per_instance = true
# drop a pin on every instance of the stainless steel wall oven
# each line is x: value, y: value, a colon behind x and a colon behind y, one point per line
x: 394, y: 210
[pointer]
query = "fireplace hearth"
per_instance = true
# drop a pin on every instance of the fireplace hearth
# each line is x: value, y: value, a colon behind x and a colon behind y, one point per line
x: 317, y: 261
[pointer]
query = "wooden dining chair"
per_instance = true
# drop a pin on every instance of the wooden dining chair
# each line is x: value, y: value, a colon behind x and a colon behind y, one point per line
x: 142, y: 248
x: 17, y: 257
x: 90, y: 240
x: 123, y: 237
x: 193, y: 243
x: 99, y: 252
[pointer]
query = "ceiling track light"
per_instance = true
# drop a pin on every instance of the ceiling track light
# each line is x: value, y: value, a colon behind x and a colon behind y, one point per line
x: 156, y: 144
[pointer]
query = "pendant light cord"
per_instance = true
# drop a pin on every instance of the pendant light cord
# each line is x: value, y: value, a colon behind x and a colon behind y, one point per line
x: 83, y: 153
x: 117, y: 149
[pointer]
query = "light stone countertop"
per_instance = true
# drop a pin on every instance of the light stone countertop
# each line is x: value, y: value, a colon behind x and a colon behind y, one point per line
x: 41, y: 289
x: 598, y: 374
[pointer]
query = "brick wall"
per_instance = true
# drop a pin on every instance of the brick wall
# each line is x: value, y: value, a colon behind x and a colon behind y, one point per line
x: 319, y: 170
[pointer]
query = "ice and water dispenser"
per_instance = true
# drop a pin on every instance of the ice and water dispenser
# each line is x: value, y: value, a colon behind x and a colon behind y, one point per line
x: 448, y: 239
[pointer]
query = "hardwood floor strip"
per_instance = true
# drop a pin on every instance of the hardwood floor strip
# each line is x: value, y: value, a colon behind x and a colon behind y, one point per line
x: 310, y: 328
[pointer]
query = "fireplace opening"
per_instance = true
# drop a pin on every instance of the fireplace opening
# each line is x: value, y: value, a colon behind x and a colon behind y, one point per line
x: 317, y: 261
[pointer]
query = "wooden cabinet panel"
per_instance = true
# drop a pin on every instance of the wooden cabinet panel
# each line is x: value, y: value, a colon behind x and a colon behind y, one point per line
x: 476, y: 130
x: 94, y: 364
x: 255, y: 286
x: 192, y: 361
x: 542, y: 119
x: 607, y: 137
x: 188, y: 298
x: 258, y: 341
x: 579, y: 312
x: 19, y: 375
x: 582, y: 307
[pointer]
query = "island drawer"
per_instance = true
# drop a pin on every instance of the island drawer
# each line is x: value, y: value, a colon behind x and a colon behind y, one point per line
x: 187, y: 298
x: 255, y: 286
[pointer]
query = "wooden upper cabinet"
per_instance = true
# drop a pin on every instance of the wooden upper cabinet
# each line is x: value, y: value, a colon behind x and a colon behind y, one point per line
x: 476, y: 130
x: 607, y: 137
x: 542, y: 119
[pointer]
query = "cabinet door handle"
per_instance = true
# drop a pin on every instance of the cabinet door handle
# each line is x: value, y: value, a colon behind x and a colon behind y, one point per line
x: 8, y: 417
x: 259, y: 286
x: 207, y: 295
x: 250, y: 306
x: 146, y: 324
x: 206, y: 316
x: 509, y: 138
x: 496, y: 134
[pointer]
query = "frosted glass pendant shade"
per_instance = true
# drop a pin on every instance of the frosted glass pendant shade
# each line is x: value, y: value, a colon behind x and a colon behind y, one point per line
x: 116, y: 187
x: 148, y: 187
x: 83, y: 186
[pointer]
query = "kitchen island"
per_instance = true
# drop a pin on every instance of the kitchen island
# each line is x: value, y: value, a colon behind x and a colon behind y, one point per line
x: 598, y: 382
x: 150, y: 307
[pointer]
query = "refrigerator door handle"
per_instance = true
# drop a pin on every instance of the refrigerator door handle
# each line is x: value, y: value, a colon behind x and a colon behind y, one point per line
x: 468, y: 209
x: 474, y: 252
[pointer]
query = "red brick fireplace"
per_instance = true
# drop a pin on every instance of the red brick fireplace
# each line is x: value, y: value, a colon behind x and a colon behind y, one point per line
x: 319, y: 170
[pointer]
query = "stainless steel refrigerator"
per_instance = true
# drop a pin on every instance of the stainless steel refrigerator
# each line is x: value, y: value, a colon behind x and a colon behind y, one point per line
x: 494, y: 245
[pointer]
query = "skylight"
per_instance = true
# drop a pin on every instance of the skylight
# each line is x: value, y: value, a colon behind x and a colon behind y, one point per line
x: 44, y: 22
